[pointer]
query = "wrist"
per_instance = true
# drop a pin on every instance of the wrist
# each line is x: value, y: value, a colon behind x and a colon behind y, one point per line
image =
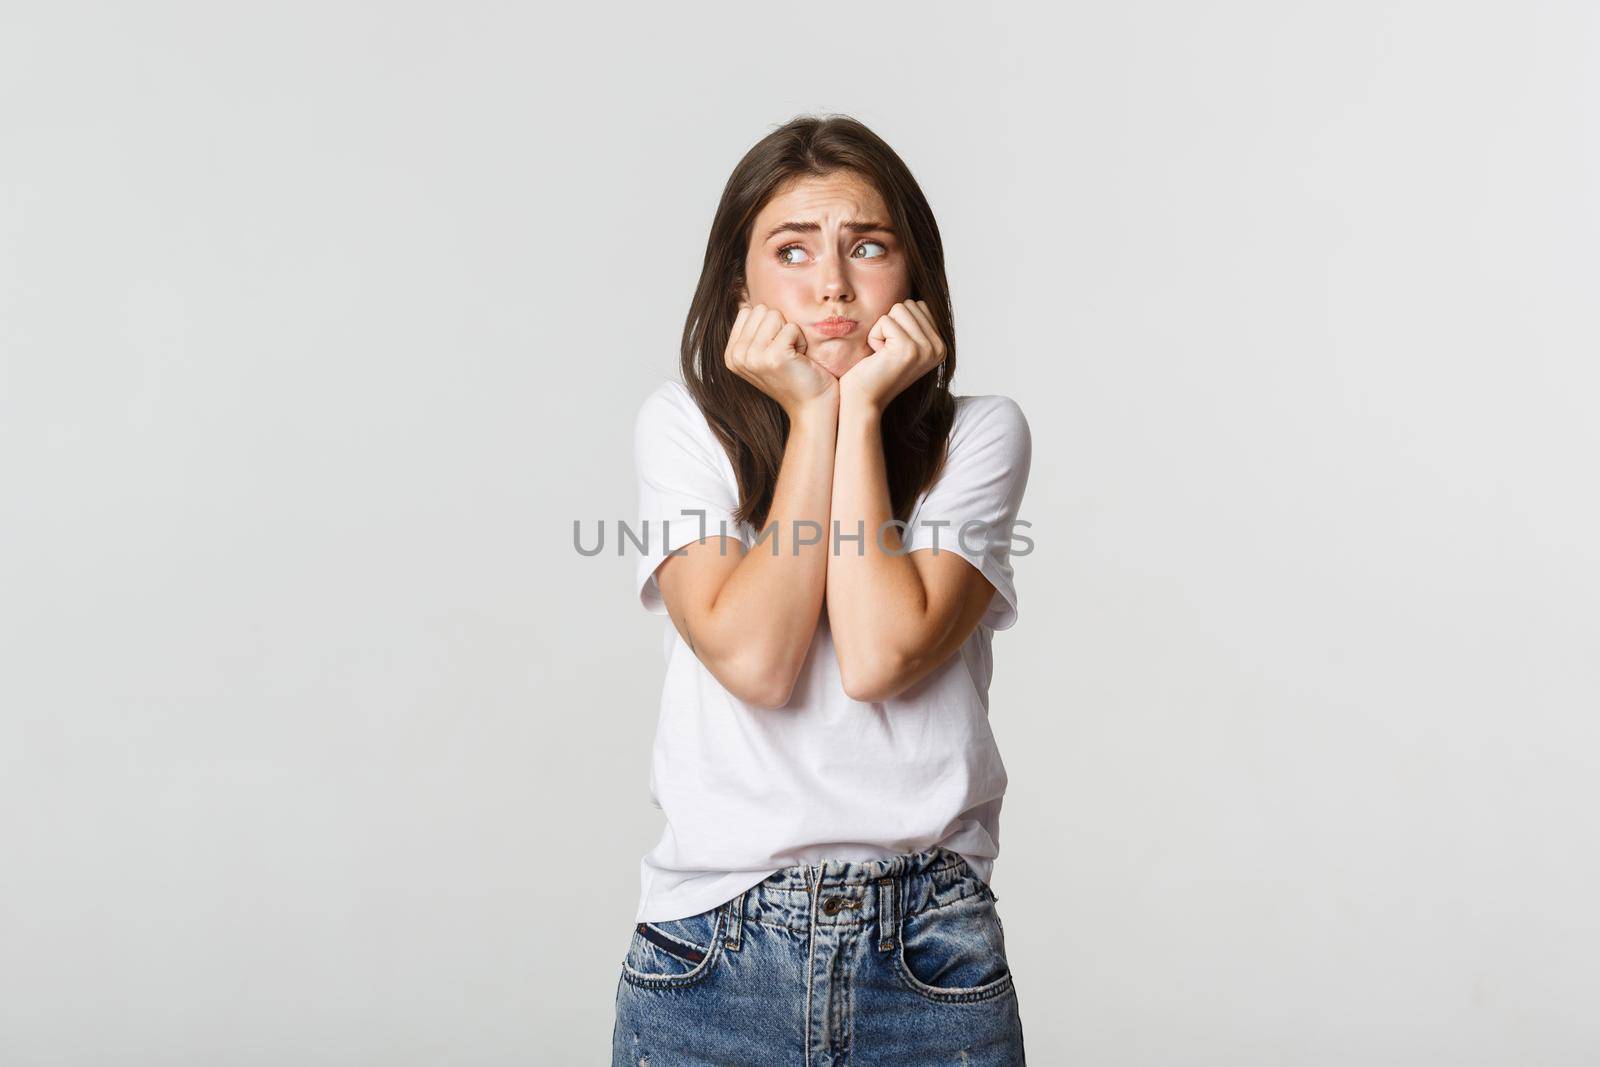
x: 823, y: 409
x: 858, y: 408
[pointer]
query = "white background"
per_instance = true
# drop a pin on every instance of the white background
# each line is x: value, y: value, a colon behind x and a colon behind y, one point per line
x: 321, y: 323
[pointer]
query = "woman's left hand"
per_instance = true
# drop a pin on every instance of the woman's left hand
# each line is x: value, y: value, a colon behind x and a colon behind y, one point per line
x: 905, y: 346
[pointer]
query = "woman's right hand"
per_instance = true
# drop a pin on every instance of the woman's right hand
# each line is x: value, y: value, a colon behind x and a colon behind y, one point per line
x: 769, y: 352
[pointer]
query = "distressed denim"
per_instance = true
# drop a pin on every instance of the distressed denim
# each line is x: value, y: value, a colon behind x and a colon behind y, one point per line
x: 896, y: 962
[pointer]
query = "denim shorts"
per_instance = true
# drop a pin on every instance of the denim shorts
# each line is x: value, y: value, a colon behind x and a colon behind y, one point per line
x: 888, y: 962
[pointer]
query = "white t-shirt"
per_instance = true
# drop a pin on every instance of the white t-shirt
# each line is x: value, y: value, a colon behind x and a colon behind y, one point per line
x: 747, y: 790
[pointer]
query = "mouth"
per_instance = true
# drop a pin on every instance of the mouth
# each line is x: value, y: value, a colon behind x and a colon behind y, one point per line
x: 837, y: 326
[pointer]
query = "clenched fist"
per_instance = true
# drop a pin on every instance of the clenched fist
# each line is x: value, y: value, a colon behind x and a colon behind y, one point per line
x: 769, y: 352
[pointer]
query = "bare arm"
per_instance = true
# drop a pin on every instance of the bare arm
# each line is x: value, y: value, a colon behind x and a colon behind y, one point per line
x: 750, y: 616
x: 894, y: 618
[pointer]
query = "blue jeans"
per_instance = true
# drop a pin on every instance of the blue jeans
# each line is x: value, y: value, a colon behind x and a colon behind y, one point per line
x: 888, y: 962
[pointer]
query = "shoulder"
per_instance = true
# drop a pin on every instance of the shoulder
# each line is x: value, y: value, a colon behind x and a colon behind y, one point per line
x: 990, y: 408
x: 672, y: 435
x: 669, y: 408
x: 666, y: 398
x: 991, y: 423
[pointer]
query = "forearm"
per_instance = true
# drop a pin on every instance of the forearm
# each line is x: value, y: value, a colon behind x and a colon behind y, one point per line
x: 764, y: 617
x: 877, y: 605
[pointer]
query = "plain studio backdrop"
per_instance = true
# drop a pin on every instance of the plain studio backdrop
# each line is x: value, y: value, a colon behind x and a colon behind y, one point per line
x: 320, y: 325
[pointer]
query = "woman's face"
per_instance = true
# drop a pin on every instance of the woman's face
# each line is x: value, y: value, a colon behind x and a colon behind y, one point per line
x: 822, y: 248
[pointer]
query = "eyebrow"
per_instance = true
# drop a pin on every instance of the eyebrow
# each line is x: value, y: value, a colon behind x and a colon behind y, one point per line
x: 815, y: 227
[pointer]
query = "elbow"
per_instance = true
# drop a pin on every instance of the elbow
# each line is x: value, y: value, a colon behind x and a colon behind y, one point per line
x: 872, y: 694
x: 771, y: 699
x: 770, y: 694
x: 765, y: 685
x: 873, y: 682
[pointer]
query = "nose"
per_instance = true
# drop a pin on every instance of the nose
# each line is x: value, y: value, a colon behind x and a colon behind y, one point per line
x: 834, y: 281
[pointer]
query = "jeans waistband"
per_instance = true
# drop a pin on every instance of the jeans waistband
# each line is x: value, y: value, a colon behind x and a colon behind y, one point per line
x: 838, y: 895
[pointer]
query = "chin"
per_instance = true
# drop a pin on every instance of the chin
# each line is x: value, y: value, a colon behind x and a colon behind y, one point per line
x: 839, y: 362
x: 838, y: 367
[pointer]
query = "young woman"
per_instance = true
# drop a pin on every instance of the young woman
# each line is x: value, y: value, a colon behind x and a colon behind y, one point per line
x: 829, y: 530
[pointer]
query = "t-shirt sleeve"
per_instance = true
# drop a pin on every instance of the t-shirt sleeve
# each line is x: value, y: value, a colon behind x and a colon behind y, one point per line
x: 982, y: 484
x: 679, y: 468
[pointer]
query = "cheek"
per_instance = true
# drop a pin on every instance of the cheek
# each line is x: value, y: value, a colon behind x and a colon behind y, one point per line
x: 788, y: 294
x: 775, y: 288
x: 883, y: 289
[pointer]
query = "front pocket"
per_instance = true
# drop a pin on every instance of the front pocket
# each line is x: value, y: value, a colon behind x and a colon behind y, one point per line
x: 955, y: 952
x: 670, y: 952
x: 671, y: 945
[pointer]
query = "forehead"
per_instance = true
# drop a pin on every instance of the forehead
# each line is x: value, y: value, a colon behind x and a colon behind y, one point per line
x: 843, y: 195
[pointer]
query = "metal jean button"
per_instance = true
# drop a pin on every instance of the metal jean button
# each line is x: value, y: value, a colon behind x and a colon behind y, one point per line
x: 832, y: 905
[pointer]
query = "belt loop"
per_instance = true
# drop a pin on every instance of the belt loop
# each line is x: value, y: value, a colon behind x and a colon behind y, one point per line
x: 735, y: 921
x: 888, y: 925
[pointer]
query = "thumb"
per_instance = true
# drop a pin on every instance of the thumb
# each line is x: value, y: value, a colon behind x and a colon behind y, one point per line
x: 796, y: 337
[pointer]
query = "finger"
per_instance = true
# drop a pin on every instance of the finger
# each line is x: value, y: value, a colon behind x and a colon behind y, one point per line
x: 768, y: 321
x: 739, y: 338
x: 895, y: 330
x: 792, y: 336
x: 750, y: 336
x: 924, y: 315
x: 892, y: 332
x: 739, y: 321
x: 919, y: 311
x: 902, y: 314
x: 744, y: 347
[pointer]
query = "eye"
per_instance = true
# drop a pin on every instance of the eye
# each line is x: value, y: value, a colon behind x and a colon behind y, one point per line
x: 801, y: 248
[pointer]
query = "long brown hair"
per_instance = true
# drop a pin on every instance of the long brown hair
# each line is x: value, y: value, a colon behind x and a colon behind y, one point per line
x: 752, y: 426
